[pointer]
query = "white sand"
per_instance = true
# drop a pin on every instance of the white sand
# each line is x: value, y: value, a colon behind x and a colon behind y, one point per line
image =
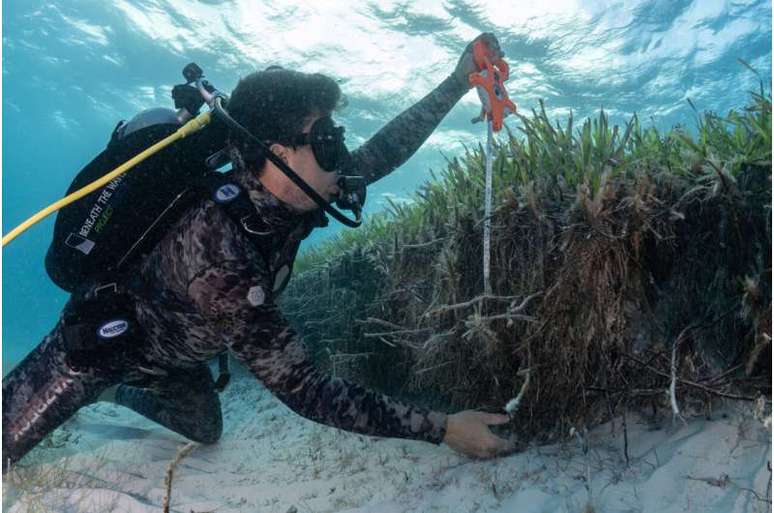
x: 271, y: 460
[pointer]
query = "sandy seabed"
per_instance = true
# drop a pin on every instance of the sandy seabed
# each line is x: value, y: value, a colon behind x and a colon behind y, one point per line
x: 108, y: 458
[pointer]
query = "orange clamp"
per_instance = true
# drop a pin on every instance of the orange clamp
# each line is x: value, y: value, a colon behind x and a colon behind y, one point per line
x: 495, y: 104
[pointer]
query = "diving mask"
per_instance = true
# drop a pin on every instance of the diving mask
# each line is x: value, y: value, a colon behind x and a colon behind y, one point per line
x: 327, y: 141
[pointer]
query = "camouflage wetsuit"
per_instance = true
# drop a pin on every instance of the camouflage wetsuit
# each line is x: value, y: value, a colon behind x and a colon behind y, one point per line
x: 205, y: 289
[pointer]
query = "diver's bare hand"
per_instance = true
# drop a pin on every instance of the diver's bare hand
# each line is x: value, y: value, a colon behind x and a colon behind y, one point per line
x: 468, y: 434
x: 466, y: 65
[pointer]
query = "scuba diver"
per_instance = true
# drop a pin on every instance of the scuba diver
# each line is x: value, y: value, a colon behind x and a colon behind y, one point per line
x: 208, y: 285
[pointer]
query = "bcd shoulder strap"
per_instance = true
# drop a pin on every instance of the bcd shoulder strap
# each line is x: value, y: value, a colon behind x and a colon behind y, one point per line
x: 235, y: 202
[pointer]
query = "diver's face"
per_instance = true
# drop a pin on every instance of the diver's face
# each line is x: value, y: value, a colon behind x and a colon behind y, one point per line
x: 301, y: 160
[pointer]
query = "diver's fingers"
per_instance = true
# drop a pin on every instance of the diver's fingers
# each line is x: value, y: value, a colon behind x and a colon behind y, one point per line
x: 491, y: 41
x: 495, y: 418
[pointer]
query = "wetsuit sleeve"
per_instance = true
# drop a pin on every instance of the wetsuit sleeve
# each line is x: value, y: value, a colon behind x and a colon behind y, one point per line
x: 235, y: 301
x: 397, y: 141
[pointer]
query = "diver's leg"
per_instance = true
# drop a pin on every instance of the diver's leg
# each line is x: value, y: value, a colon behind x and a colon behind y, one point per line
x: 42, y: 392
x: 184, y: 401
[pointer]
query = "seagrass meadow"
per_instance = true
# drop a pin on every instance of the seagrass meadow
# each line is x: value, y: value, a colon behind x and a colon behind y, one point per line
x: 631, y: 270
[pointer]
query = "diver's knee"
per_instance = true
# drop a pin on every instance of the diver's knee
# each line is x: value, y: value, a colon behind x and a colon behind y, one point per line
x: 212, y: 433
x: 209, y: 438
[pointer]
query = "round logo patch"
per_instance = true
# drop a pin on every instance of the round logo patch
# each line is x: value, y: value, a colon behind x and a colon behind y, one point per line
x: 256, y: 296
x: 226, y: 193
x: 113, y: 328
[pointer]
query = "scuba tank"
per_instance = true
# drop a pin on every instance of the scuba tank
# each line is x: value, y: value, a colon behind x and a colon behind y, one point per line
x: 112, y: 226
x: 115, y: 224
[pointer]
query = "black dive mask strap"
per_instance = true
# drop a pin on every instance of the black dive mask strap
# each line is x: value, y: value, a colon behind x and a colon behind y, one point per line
x: 297, y: 180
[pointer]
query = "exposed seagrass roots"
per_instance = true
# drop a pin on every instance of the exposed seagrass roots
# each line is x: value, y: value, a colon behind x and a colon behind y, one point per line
x: 181, y: 453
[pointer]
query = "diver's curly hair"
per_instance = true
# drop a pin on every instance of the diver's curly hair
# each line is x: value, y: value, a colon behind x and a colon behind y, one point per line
x: 274, y: 104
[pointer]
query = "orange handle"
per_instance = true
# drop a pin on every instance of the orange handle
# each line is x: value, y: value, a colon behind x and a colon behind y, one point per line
x: 498, y: 104
x: 484, y: 57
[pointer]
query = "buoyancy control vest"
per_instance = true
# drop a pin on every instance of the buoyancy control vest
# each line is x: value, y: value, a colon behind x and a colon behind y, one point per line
x: 113, y: 226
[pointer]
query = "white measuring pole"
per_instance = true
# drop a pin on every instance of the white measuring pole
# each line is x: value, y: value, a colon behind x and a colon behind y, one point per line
x: 488, y: 206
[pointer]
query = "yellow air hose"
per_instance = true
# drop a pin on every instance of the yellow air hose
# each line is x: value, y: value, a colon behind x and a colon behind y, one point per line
x: 192, y: 126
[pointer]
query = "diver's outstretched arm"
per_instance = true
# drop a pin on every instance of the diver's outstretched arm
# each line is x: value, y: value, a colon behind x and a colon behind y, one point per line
x: 238, y: 301
x: 401, y: 138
